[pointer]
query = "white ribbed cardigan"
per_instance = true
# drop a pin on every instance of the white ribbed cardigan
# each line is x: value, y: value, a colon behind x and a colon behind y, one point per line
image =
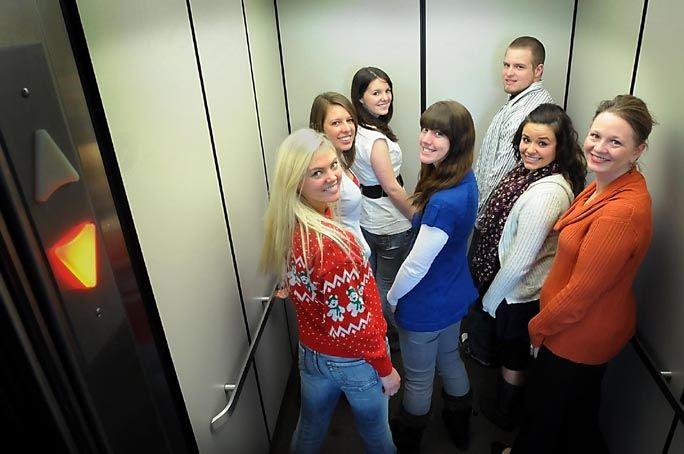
x: 528, y: 242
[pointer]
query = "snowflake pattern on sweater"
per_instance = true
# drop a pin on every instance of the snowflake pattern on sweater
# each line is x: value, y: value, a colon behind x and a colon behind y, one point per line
x: 338, y: 305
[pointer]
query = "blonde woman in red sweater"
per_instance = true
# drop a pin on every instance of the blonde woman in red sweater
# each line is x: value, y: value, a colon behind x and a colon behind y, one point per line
x: 342, y: 343
x: 588, y: 311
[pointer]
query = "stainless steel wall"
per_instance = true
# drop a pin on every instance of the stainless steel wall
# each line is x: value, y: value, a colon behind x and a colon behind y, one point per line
x: 176, y: 82
x: 195, y: 140
x: 635, y: 416
x: 326, y: 42
x: 466, y: 43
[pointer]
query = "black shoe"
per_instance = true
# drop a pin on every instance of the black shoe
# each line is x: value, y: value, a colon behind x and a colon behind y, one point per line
x: 467, y: 352
x: 497, y: 447
x: 456, y: 417
x: 504, y: 409
x: 407, y: 431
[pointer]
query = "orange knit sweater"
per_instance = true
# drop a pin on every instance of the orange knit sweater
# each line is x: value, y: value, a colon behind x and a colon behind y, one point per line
x: 588, y: 311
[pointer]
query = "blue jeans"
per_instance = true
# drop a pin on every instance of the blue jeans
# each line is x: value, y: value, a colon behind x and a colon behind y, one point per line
x: 387, y: 254
x: 421, y: 353
x: 324, y: 378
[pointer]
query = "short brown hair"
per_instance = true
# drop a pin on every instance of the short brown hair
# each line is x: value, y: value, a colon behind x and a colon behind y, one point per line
x: 534, y: 45
x: 634, y: 111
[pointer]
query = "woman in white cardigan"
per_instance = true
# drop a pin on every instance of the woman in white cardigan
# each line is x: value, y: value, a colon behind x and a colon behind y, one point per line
x: 517, y: 243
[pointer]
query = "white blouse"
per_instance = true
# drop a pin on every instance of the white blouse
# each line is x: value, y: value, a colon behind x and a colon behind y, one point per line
x: 349, y: 210
x: 378, y: 216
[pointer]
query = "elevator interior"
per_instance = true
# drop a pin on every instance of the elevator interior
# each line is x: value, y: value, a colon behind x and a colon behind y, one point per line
x: 147, y: 129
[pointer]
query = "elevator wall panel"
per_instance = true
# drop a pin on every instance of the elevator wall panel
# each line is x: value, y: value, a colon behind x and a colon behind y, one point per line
x: 466, y: 43
x: 146, y: 70
x: 635, y: 416
x: 275, y: 351
x: 659, y: 285
x: 263, y: 42
x: 326, y: 42
x: 605, y: 44
x: 227, y: 71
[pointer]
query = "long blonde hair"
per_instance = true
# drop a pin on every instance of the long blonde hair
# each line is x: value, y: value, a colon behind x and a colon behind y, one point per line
x: 288, y: 210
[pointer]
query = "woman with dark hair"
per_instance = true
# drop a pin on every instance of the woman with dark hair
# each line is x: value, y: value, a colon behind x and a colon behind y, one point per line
x: 385, y: 209
x: 334, y: 115
x: 434, y: 289
x: 517, y: 243
x: 587, y: 311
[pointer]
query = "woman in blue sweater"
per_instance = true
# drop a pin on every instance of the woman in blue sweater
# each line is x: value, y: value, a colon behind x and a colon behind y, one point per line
x: 433, y: 288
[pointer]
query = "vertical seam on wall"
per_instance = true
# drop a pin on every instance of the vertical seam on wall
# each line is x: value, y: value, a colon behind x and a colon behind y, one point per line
x: 572, y: 47
x: 93, y: 99
x: 216, y: 165
x: 638, y: 47
x: 289, y: 127
x: 256, y: 102
x: 282, y: 65
x: 423, y: 61
x: 263, y: 160
x: 225, y: 208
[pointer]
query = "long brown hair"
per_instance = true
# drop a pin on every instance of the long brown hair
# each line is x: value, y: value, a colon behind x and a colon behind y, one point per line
x: 569, y: 156
x: 452, y: 119
x: 360, y: 83
x: 319, y: 110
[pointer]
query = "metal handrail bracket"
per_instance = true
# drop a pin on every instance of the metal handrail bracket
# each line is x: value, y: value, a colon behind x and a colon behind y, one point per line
x: 233, y: 390
x: 660, y: 377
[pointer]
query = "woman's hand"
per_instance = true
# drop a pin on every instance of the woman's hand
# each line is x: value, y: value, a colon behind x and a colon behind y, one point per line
x: 282, y: 293
x: 391, y: 383
x: 534, y: 351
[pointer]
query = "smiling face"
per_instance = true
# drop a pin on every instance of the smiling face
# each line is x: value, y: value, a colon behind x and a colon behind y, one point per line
x: 611, y: 148
x: 377, y: 98
x: 434, y: 146
x: 321, y: 184
x: 537, y: 146
x: 339, y: 126
x: 519, y: 71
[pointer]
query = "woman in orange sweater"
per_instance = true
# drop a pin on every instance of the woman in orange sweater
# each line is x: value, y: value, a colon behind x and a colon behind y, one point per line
x: 587, y: 309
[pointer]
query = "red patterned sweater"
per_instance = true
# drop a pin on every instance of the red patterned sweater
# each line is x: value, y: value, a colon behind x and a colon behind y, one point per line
x: 338, y: 306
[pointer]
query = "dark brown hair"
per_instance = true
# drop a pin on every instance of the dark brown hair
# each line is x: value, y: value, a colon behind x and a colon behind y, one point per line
x: 569, y: 156
x: 360, y: 83
x: 534, y: 45
x: 634, y: 111
x: 319, y: 109
x: 453, y: 120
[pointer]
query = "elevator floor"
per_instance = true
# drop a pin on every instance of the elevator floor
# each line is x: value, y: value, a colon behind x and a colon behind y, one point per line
x: 343, y: 439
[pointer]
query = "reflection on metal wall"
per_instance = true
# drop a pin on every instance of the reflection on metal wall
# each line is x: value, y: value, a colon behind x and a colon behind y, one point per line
x: 636, y: 417
x: 61, y: 221
x: 466, y: 43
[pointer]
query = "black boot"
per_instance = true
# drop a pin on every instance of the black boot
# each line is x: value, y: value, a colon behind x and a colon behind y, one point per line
x: 407, y: 431
x: 505, y: 409
x: 456, y: 417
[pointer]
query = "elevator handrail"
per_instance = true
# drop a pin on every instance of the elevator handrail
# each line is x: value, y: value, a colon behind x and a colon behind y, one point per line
x: 233, y: 390
x: 661, y: 378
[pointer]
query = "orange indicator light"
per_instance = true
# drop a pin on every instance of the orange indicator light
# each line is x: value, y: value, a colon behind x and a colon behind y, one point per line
x: 74, y: 257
